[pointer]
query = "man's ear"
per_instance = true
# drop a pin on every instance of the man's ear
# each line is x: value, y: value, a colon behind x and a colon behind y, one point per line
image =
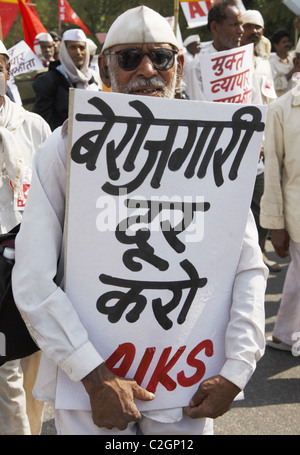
x: 8, y: 70
x: 104, y: 72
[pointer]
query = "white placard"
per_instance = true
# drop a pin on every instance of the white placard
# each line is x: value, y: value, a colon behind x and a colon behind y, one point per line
x: 227, y: 75
x: 154, y: 294
x: 22, y: 60
x: 196, y: 13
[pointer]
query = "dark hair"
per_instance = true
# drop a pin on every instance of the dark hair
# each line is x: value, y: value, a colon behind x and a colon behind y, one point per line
x: 217, y: 12
x: 278, y: 35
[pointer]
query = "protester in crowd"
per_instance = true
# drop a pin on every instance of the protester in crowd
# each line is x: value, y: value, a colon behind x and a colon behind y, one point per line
x: 44, y: 48
x: 52, y: 316
x: 280, y: 210
x: 263, y: 92
x: 192, y: 46
x: 93, y: 65
x: 56, y: 40
x: 282, y: 62
x: 225, y: 25
x: 21, y: 133
x: 52, y: 88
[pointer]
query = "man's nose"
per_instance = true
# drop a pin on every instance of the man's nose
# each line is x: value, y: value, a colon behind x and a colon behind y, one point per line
x: 146, y: 67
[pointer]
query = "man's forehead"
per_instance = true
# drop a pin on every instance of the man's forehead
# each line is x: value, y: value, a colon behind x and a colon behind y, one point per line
x: 75, y: 43
x: 119, y: 47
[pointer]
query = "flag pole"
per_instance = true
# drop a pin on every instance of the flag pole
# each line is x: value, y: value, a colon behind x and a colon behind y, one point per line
x: 176, y: 14
x: 59, y: 21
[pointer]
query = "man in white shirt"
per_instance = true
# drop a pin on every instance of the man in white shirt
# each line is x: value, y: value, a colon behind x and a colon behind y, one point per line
x: 225, y: 25
x: 280, y: 206
x: 21, y: 133
x: 127, y: 64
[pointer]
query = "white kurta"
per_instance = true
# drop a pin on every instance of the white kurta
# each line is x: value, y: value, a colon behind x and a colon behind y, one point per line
x: 50, y: 314
x: 28, y: 131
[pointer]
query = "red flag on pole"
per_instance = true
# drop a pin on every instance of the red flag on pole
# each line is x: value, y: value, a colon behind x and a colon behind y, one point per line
x: 8, y: 12
x: 32, y: 25
x: 67, y: 14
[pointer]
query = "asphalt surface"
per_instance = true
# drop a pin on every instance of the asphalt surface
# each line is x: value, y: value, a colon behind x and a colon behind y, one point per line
x: 272, y: 397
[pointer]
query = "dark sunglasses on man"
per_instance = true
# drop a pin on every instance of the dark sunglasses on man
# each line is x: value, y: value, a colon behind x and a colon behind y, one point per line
x: 129, y: 59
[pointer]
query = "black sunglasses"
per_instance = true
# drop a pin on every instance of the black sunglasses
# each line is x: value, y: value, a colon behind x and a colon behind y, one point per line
x: 130, y: 59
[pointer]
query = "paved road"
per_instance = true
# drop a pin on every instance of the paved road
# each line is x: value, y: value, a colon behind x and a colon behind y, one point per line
x: 272, y: 396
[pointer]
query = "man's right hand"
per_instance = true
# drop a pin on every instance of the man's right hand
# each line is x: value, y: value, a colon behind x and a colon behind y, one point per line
x: 280, y: 240
x: 112, y: 398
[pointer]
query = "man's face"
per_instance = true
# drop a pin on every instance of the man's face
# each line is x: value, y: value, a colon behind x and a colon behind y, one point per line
x: 252, y: 34
x: 5, y: 70
x: 194, y: 48
x: 47, y: 49
x: 77, y: 52
x: 228, y: 34
x: 145, y: 79
x: 283, y: 46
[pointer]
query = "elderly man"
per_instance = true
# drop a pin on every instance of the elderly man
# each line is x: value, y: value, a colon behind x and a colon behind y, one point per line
x: 21, y: 133
x: 225, y: 25
x: 44, y: 48
x: 140, y: 57
x: 52, y: 88
x: 280, y: 206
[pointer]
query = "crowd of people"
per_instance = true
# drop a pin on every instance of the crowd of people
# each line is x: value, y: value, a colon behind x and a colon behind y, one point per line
x: 147, y: 57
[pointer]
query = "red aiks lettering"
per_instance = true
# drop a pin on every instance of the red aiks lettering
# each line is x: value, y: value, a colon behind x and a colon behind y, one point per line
x: 126, y: 353
x: 160, y: 373
x: 195, y: 9
x: 126, y: 350
x: 196, y: 363
x: 144, y: 365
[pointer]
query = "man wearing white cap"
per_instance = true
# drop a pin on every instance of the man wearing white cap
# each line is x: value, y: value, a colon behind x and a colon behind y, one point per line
x: 52, y: 88
x: 263, y: 92
x: 44, y: 48
x: 140, y: 56
x: 21, y: 133
x: 280, y: 209
x: 192, y: 45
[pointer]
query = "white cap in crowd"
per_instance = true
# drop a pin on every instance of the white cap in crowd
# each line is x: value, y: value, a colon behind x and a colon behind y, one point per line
x: 140, y: 25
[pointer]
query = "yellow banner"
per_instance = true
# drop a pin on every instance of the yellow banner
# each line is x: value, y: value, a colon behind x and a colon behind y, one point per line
x: 11, y: 1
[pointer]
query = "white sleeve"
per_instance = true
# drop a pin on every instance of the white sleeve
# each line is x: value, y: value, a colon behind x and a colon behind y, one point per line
x: 37, y: 283
x: 245, y: 339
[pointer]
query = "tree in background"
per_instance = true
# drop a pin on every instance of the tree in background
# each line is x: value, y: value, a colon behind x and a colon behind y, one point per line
x: 98, y: 15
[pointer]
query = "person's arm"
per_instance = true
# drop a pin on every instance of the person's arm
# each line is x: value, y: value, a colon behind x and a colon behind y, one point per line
x: 244, y: 341
x: 49, y: 314
x: 271, y: 207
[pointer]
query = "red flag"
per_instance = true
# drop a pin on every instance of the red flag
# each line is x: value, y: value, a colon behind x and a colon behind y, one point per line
x: 8, y: 13
x: 67, y: 14
x: 32, y: 25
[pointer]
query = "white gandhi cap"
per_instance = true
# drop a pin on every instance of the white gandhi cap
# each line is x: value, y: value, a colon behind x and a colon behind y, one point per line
x: 252, y: 16
x: 74, y: 34
x: 191, y: 39
x: 140, y: 25
x: 3, y: 49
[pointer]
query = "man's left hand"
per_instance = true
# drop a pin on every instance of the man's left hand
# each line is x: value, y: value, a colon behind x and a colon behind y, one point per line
x: 212, y: 399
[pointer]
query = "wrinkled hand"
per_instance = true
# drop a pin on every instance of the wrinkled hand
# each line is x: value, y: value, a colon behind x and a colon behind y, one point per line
x: 281, y: 241
x: 212, y: 399
x: 112, y: 398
